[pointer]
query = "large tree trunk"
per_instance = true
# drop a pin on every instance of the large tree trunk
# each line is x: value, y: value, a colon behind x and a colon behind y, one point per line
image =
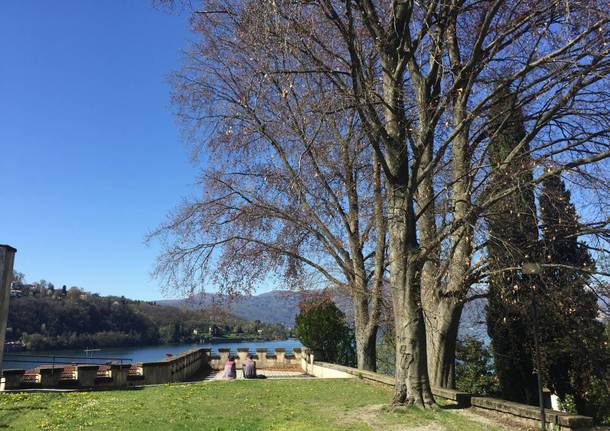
x: 412, y: 384
x: 443, y: 312
x: 449, y: 303
x: 365, y: 328
x: 441, y: 335
x: 366, y: 301
x: 366, y: 348
x: 437, y: 314
x: 444, y: 303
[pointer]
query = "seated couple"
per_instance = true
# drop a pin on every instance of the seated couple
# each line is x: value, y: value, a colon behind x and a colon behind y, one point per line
x: 248, y: 369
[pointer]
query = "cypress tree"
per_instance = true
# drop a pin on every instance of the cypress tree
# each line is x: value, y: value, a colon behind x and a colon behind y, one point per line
x: 575, y: 359
x: 513, y: 234
x: 574, y: 346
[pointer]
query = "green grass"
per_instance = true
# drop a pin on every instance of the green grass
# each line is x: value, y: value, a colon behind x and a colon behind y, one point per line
x: 232, y: 405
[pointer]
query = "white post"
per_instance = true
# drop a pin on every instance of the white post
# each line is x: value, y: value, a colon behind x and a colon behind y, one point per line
x: 7, y: 259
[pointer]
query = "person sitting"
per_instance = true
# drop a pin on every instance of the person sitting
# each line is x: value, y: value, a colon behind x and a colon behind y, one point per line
x: 230, y: 371
x: 249, y: 368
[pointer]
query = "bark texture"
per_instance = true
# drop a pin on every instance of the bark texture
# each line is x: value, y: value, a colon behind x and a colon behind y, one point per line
x: 412, y: 384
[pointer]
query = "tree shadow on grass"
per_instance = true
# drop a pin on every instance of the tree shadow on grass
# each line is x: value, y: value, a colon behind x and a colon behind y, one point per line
x: 20, y: 408
x: 122, y: 389
x: 9, y: 414
x: 451, y: 407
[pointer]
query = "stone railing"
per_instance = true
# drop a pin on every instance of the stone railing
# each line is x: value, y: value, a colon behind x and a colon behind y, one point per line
x: 522, y: 413
x: 173, y: 369
x: 279, y: 359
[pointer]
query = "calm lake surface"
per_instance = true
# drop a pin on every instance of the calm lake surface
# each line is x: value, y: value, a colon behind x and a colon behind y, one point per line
x: 133, y: 354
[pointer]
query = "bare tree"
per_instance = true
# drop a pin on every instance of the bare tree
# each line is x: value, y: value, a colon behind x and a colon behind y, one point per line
x: 421, y: 77
x: 291, y: 185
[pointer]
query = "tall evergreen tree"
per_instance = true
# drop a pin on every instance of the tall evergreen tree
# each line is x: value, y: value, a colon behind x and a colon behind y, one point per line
x: 513, y: 234
x: 573, y: 344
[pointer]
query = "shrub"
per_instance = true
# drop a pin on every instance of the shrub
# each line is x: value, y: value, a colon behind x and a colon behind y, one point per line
x: 321, y: 326
x: 474, y: 370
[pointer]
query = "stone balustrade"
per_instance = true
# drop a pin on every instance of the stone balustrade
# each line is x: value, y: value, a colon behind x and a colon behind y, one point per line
x: 172, y: 369
x: 263, y: 358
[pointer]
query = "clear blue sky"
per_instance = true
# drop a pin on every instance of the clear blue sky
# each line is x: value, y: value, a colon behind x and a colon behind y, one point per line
x: 90, y: 152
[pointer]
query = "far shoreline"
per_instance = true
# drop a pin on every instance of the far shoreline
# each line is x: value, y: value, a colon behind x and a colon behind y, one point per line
x: 144, y: 353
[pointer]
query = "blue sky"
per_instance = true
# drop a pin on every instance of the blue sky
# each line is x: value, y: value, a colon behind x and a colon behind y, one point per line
x: 90, y: 152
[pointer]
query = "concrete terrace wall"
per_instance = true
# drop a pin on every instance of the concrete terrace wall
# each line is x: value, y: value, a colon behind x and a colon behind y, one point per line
x: 522, y: 413
x: 324, y: 370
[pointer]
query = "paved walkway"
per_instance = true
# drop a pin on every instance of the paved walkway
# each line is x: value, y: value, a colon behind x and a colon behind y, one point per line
x: 270, y: 374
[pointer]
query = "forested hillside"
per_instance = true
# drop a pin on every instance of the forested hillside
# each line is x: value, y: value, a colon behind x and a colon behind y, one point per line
x: 42, y: 317
x: 276, y: 306
x: 281, y: 307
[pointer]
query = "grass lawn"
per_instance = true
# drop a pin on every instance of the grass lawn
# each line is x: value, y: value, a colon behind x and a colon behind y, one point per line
x: 310, y: 404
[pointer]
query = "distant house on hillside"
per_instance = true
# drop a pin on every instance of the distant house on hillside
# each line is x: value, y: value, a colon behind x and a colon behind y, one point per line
x: 16, y: 289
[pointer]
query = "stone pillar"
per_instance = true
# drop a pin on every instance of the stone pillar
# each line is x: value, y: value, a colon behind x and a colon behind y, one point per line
x: 86, y: 374
x: 49, y: 376
x: 224, y: 356
x: 280, y: 355
x: 306, y: 359
x: 119, y: 374
x: 7, y: 259
x: 242, y: 353
x: 261, y: 353
x: 297, y: 353
x: 12, y: 379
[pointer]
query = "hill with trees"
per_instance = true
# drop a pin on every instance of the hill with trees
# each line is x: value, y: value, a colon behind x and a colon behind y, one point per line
x: 42, y: 317
x: 276, y: 306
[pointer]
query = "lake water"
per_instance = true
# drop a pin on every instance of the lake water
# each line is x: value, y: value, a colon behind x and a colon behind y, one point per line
x: 132, y: 354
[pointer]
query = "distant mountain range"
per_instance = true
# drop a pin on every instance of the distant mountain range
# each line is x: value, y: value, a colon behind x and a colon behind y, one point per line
x: 280, y: 306
x: 271, y: 307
